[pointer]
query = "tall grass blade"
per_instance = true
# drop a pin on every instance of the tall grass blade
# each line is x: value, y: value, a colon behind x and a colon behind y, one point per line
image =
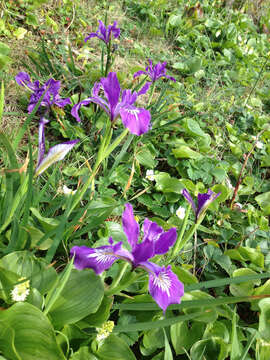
x: 2, y: 95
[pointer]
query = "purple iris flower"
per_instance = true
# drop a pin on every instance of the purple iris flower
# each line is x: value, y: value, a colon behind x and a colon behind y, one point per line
x: 204, y: 200
x: 154, y: 72
x: 164, y: 286
x: 104, y: 33
x: 137, y: 120
x: 51, y: 87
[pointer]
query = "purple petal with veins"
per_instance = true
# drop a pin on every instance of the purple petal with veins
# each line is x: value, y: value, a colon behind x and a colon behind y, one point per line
x: 137, y: 120
x: 164, y: 285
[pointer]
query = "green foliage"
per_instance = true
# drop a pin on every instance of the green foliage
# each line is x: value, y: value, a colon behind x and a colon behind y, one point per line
x: 210, y: 129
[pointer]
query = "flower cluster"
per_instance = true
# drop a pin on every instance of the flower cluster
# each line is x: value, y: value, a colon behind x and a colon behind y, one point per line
x: 50, y: 93
x: 50, y: 88
x: 105, y: 330
x: 164, y: 286
x: 104, y: 33
x: 154, y: 72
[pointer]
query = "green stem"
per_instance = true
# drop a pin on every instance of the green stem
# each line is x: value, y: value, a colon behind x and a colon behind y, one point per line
x: 151, y: 94
x: 189, y: 235
x: 101, y: 156
x: 108, y: 60
x: 119, y: 276
x: 116, y: 289
x: 177, y: 245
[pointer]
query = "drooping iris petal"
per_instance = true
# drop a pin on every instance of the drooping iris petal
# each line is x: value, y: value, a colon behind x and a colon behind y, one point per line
x: 165, y: 241
x: 130, y: 226
x: 164, y: 285
x: 137, y: 120
x: 55, y: 153
x: 187, y: 195
x: 61, y: 102
x: 98, y: 259
x: 75, y: 109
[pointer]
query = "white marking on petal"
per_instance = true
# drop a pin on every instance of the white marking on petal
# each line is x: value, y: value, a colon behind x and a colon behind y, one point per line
x: 134, y: 112
x: 163, y: 282
x: 102, y: 256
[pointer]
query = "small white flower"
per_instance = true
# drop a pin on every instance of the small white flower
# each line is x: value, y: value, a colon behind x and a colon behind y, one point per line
x: 20, y: 291
x: 180, y: 212
x: 68, y: 191
x: 259, y: 145
x: 150, y: 175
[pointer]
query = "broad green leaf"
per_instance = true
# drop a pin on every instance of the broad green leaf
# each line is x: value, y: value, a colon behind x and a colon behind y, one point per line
x: 264, y: 201
x: 153, y: 339
x: 24, y: 264
x: 4, y: 61
x: 217, y: 329
x: 244, y: 253
x: 31, y: 19
x: 145, y: 158
x: 114, y: 348
x: 100, y: 316
x: 48, y: 224
x: 82, y: 354
x: 4, y: 49
x: 225, y: 192
x: 210, y: 313
x: 193, y: 128
x: 184, y: 337
x: 184, y: 275
x: 168, y: 184
x: 7, y: 280
x: 214, y: 348
x: 81, y: 296
x: 264, y: 324
x: 26, y: 334
x: 245, y: 288
x: 185, y: 152
x: 36, y: 235
x: 261, y: 290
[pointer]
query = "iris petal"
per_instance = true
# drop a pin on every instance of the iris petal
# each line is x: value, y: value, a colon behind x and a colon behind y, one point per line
x: 164, y: 286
